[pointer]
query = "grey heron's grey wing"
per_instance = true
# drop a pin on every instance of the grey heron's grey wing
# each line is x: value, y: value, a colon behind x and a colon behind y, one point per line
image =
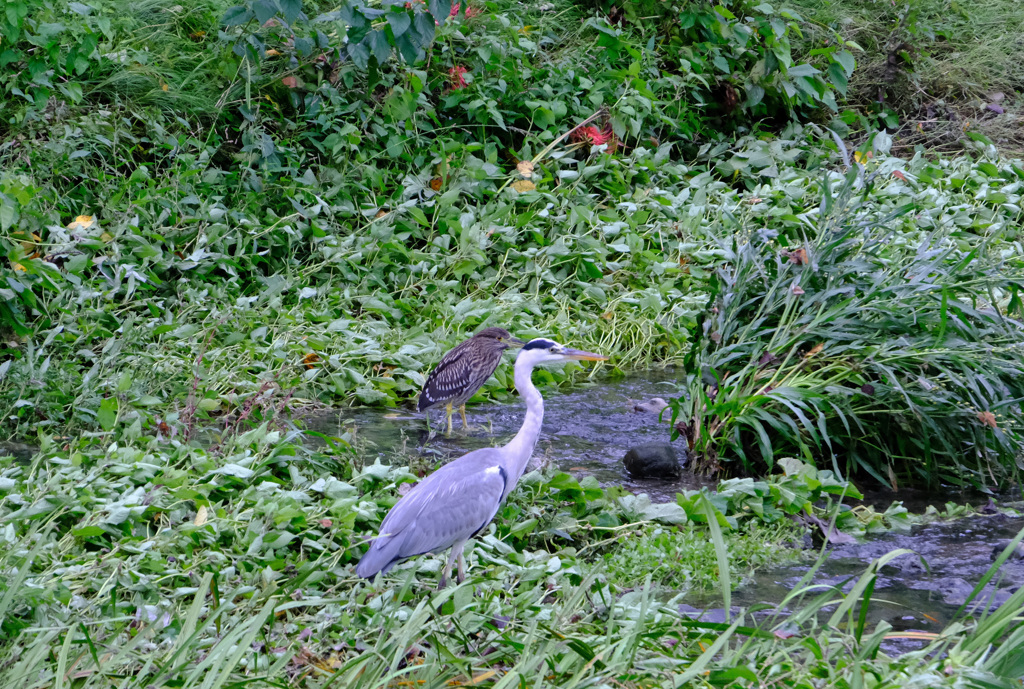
x: 416, y: 500
x: 460, y: 373
x: 447, y: 507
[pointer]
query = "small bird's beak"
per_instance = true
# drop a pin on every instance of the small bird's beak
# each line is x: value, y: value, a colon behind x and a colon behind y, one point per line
x: 514, y: 342
x: 582, y: 356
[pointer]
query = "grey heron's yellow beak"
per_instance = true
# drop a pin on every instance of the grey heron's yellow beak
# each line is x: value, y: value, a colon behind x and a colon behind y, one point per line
x: 581, y: 355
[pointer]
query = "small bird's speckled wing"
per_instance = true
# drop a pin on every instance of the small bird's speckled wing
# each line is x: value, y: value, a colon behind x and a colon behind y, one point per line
x: 460, y: 373
x: 448, y: 507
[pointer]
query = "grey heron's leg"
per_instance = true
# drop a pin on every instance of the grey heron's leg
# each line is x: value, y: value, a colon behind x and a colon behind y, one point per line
x: 462, y: 412
x: 448, y: 412
x: 462, y: 567
x: 456, y: 552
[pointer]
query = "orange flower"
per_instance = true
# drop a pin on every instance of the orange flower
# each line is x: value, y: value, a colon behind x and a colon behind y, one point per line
x: 455, y: 75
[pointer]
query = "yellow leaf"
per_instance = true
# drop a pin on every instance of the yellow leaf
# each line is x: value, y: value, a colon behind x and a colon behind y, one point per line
x: 82, y: 222
x: 525, y: 168
x: 163, y: 86
x: 523, y: 185
x: 106, y: 238
x: 201, y: 516
x: 859, y: 157
x: 272, y: 53
x: 18, y: 266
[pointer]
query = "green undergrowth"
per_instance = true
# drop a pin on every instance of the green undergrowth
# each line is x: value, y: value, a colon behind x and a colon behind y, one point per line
x: 924, y: 50
x: 214, y: 213
x: 159, y: 564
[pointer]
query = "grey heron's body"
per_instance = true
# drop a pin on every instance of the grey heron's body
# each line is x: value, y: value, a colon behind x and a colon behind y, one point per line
x: 463, y: 370
x: 460, y: 499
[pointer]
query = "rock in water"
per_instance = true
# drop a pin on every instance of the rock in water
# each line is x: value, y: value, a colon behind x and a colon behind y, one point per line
x: 653, y: 405
x: 652, y: 460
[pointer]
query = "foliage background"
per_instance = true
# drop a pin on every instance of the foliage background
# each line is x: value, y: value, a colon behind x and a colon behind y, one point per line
x: 213, y: 216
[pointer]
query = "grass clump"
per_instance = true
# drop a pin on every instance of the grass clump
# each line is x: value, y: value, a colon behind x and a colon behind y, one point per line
x: 874, y: 341
x: 685, y: 560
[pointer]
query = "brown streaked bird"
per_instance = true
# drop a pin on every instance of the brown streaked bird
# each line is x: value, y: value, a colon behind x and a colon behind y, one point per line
x: 464, y: 370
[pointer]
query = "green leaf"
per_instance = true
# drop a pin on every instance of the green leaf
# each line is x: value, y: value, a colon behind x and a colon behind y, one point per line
x: 804, y: 70
x: 377, y: 42
x: 424, y: 28
x: 291, y: 9
x: 439, y: 9
x: 400, y: 22
x: 838, y: 77
x: 8, y: 212
x: 265, y: 10
x: 406, y: 48
x: 234, y: 16
x: 106, y: 417
x: 755, y: 94
x: 359, y: 53
x: 845, y: 58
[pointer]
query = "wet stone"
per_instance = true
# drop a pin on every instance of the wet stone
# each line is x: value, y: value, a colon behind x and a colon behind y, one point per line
x: 1016, y: 554
x: 652, y: 460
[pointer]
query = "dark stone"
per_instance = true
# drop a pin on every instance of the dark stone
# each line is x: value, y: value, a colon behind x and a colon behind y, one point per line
x: 652, y: 460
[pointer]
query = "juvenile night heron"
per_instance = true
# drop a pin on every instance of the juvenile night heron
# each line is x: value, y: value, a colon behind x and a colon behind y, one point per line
x: 464, y: 370
x: 460, y: 499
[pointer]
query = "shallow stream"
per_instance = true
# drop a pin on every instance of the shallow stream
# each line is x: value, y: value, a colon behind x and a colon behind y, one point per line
x: 588, y: 431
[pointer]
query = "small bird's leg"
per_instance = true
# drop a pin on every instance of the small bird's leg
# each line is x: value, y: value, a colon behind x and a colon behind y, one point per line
x: 462, y: 412
x: 448, y: 411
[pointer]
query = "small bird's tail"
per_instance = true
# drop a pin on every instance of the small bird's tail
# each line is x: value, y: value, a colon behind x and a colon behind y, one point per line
x: 382, y: 556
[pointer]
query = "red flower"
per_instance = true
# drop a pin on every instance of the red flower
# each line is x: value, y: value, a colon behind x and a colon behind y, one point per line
x: 596, y: 137
x: 455, y: 75
x: 470, y: 11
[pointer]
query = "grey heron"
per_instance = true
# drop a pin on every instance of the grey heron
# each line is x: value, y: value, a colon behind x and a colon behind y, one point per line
x: 463, y: 370
x: 460, y: 499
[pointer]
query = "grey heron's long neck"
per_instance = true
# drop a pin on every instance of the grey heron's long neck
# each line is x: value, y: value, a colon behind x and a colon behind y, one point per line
x: 520, y: 448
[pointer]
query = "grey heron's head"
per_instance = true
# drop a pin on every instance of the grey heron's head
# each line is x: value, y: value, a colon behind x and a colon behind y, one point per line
x: 501, y: 336
x: 541, y: 349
